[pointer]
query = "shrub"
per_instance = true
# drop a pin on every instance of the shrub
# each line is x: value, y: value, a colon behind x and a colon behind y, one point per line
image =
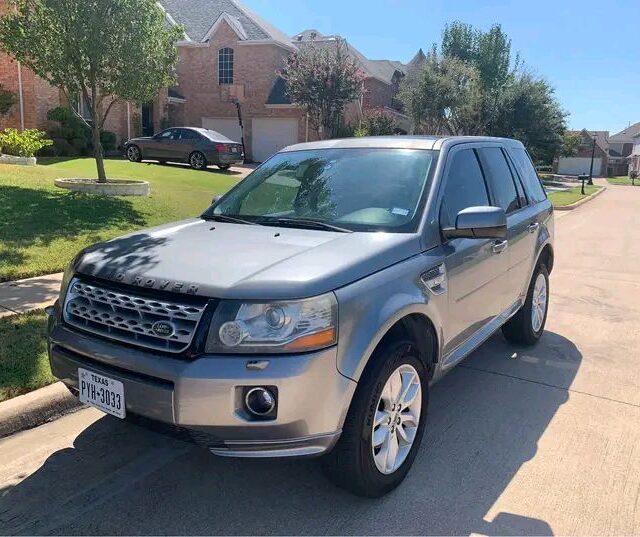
x: 108, y: 140
x: 62, y: 148
x: 360, y: 132
x: 378, y: 123
x: 23, y: 144
x: 76, y: 135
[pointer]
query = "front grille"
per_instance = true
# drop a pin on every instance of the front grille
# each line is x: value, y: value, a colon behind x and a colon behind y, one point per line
x: 131, y: 318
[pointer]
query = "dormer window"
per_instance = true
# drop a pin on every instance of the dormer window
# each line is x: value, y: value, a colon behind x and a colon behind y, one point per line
x: 225, y: 66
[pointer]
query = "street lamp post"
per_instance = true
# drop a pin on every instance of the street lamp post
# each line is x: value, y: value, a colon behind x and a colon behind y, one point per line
x: 593, y: 152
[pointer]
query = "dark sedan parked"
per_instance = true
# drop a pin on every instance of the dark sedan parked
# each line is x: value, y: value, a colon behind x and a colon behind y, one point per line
x: 198, y: 147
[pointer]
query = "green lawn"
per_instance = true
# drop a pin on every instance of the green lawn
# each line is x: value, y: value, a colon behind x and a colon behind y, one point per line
x: 622, y: 180
x: 24, y: 365
x: 567, y: 197
x: 43, y: 226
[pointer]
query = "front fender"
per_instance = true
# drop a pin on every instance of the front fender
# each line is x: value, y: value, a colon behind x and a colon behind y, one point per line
x: 369, y: 308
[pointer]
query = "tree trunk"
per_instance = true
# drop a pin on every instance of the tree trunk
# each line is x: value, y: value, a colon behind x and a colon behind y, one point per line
x: 98, y: 153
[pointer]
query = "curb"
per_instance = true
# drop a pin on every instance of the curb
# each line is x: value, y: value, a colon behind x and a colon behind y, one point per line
x: 36, y: 408
x: 580, y: 202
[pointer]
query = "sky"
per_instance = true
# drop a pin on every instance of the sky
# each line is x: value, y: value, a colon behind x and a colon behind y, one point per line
x: 588, y: 50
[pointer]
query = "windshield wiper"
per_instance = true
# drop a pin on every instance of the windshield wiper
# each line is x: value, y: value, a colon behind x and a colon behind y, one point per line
x: 305, y: 223
x: 230, y: 219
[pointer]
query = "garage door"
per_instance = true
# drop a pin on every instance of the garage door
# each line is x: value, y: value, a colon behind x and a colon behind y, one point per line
x: 229, y: 127
x: 579, y: 165
x: 268, y: 136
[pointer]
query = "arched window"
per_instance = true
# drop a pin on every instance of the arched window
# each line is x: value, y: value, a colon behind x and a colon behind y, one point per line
x: 225, y: 66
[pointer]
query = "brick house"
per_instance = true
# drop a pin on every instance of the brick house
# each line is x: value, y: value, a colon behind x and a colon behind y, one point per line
x: 634, y: 156
x: 35, y: 97
x: 581, y: 162
x: 620, y: 147
x: 228, y: 55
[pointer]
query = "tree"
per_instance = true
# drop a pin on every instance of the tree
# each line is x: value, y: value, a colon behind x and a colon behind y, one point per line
x: 376, y: 123
x: 528, y: 111
x: 471, y: 86
x: 570, y: 145
x: 102, y: 50
x: 489, y: 52
x: 323, y: 81
x: 443, y: 98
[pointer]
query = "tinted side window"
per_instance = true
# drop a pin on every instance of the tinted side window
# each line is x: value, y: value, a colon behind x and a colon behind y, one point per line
x: 516, y: 178
x: 186, y: 134
x: 499, y: 176
x: 528, y: 174
x: 465, y: 187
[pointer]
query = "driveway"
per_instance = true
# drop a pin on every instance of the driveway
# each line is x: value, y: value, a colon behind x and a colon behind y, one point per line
x: 536, y: 441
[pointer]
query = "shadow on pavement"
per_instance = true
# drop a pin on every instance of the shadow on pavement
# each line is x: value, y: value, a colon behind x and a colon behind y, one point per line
x: 234, y: 170
x: 486, y: 418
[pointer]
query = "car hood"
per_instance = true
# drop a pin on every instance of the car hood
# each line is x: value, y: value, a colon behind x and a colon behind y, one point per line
x: 227, y: 260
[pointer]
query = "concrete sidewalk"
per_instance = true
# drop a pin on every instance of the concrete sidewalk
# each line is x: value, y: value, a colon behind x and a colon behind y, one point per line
x: 33, y: 293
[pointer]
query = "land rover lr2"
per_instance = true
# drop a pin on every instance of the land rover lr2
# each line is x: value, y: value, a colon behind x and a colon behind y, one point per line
x: 308, y: 310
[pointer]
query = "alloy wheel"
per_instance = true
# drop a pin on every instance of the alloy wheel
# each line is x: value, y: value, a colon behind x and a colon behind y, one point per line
x: 133, y: 153
x: 539, y: 302
x: 396, y: 419
x: 197, y: 161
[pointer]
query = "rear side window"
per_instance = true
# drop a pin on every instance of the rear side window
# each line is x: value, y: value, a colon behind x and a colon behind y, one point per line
x: 186, y: 134
x: 499, y: 177
x: 465, y: 187
x: 528, y: 174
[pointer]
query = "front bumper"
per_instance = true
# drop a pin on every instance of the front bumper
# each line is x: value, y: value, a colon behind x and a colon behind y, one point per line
x: 198, y: 400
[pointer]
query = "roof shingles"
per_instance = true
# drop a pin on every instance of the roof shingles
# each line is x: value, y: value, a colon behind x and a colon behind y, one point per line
x: 198, y: 16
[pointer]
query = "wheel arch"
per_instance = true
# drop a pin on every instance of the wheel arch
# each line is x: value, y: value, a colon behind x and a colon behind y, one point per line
x: 546, y: 256
x: 418, y: 328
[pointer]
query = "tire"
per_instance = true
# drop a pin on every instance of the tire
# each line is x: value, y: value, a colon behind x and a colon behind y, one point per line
x: 224, y: 167
x: 197, y: 161
x: 351, y: 464
x: 134, y: 154
x: 522, y: 328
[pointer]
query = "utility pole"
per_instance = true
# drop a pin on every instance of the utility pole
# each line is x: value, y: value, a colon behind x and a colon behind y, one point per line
x: 593, y: 152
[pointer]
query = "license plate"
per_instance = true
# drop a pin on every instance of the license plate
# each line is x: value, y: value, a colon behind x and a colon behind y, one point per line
x: 101, y: 392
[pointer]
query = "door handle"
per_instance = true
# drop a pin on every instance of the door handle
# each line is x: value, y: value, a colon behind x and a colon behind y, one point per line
x: 499, y: 246
x: 533, y: 226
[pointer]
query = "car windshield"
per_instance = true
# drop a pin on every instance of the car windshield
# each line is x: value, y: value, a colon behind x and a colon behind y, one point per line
x: 359, y: 189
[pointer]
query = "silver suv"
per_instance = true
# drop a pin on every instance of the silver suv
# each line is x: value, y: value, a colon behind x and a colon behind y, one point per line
x: 309, y: 309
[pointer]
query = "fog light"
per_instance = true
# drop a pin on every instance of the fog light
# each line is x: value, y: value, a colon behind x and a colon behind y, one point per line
x: 260, y: 401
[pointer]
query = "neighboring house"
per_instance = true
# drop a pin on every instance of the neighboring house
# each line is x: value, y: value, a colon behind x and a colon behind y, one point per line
x: 230, y: 56
x: 35, y: 97
x: 634, y: 157
x: 229, y: 62
x: 620, y: 147
x: 581, y: 162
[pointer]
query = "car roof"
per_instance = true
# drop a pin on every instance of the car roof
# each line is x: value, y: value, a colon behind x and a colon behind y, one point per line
x: 400, y: 142
x: 212, y: 135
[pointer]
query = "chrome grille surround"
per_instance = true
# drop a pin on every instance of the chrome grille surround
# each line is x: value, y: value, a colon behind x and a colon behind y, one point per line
x: 127, y: 317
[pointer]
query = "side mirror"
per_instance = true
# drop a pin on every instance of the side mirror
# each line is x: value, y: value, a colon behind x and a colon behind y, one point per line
x: 216, y: 199
x: 479, y: 223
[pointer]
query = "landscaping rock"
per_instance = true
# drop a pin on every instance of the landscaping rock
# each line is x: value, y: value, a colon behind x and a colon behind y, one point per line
x: 113, y: 187
x: 20, y: 161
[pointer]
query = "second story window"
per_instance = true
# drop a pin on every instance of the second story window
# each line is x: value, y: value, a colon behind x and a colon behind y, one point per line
x: 225, y: 66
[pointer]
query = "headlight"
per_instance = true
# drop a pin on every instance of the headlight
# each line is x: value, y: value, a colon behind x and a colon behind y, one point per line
x: 274, y: 327
x: 66, y: 279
